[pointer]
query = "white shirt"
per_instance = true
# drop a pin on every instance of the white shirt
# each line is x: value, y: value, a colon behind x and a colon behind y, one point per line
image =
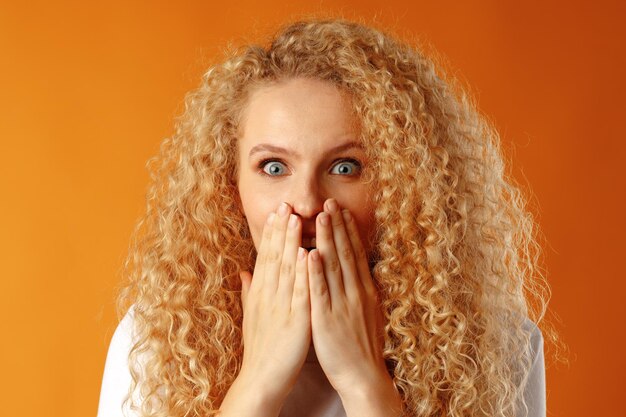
x: 312, y: 395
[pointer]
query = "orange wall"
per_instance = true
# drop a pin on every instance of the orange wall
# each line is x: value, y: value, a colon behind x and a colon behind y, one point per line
x: 87, y: 92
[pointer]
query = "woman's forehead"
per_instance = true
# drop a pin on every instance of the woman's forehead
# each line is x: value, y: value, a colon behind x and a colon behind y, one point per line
x: 297, y: 115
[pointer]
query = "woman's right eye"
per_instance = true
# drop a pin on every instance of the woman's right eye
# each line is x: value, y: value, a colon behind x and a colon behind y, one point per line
x: 273, y: 168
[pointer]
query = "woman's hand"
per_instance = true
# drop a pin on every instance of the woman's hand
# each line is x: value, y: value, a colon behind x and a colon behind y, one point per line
x: 276, y: 304
x: 346, y: 320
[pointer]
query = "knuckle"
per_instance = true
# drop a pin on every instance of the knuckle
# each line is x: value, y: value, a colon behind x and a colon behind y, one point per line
x: 334, y: 265
x: 321, y: 290
x: 280, y: 225
x: 299, y: 292
x: 272, y: 256
x: 346, y: 253
x: 360, y: 253
x: 286, y: 269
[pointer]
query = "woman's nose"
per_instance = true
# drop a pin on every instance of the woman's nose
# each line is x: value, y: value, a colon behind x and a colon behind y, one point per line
x: 307, y: 199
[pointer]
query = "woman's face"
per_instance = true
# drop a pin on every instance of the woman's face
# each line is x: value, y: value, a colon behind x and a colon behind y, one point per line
x: 299, y: 145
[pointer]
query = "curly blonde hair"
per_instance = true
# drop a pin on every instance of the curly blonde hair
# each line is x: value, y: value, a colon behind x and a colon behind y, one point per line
x: 456, y: 254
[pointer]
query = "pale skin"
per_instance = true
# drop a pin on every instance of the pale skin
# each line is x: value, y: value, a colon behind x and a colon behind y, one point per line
x: 299, y: 178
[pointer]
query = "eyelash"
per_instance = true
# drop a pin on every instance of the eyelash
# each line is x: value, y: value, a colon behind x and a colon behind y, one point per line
x: 264, y: 162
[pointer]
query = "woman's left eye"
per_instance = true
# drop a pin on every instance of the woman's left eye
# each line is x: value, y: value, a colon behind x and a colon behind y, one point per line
x: 346, y: 167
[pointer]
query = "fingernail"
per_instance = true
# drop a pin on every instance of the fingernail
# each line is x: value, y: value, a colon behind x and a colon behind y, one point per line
x: 331, y: 205
x: 315, y: 255
x: 301, y: 253
x: 270, y: 218
x: 323, y: 219
x: 293, y: 221
x: 282, y: 209
x: 346, y: 215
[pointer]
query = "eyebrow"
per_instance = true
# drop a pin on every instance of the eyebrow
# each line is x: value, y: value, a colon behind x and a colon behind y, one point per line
x: 278, y: 149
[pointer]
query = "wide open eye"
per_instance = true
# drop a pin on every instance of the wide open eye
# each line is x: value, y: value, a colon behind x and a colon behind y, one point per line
x: 346, y: 167
x: 273, y: 168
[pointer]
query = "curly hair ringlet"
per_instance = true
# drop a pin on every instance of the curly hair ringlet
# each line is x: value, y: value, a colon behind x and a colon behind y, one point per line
x: 456, y: 252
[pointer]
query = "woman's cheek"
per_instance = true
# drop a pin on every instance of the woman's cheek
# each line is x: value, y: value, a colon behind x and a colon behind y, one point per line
x: 258, y: 212
x: 364, y: 217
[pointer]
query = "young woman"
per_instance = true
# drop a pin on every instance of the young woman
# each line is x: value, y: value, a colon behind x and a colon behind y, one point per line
x: 330, y: 232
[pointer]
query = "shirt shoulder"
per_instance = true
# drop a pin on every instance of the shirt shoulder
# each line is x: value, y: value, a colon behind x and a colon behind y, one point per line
x: 116, y: 379
x: 534, y: 393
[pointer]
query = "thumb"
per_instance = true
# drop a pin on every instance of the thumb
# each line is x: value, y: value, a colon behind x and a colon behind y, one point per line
x: 246, y: 280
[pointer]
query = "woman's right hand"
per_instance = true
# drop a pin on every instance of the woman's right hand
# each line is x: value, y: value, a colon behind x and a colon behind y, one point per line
x: 276, y: 309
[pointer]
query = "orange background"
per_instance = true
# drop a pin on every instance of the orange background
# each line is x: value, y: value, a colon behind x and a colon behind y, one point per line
x: 88, y: 91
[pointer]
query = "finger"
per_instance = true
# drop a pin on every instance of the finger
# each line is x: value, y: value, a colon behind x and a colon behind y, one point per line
x: 376, y: 322
x: 343, y: 247
x: 320, y: 298
x: 275, y: 248
x: 246, y: 279
x: 328, y: 255
x: 301, y: 301
x: 259, y: 266
x: 359, y: 252
x: 288, y: 263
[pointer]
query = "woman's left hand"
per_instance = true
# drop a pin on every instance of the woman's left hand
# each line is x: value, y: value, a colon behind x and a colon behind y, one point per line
x: 346, y: 319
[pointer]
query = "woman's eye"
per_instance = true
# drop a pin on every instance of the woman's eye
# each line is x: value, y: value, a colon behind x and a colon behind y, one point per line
x: 273, y: 168
x: 347, y: 167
